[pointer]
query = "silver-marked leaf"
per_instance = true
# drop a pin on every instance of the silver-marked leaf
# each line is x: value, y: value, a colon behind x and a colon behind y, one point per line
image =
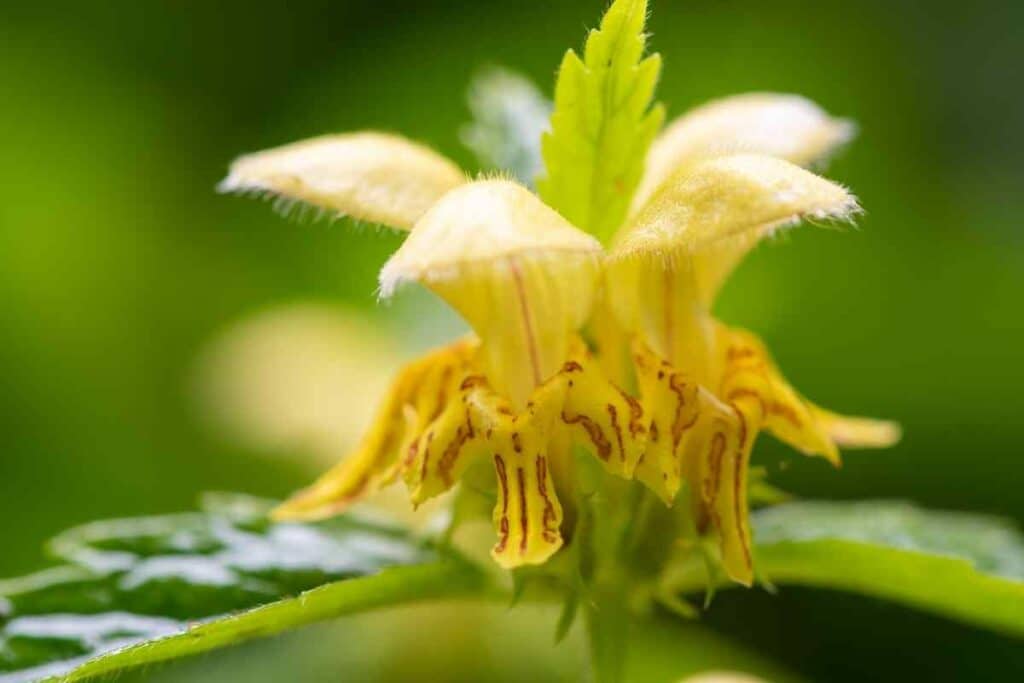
x: 963, y: 566
x: 136, y: 591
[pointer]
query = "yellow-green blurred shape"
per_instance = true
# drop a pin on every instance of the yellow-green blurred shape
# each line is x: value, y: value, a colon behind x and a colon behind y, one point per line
x: 302, y: 377
x: 722, y: 677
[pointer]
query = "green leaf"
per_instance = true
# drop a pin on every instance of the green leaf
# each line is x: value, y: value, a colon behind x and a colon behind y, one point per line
x: 603, y: 123
x: 144, y: 590
x: 761, y: 493
x: 608, y: 624
x: 568, y: 616
x: 509, y: 116
x: 963, y: 566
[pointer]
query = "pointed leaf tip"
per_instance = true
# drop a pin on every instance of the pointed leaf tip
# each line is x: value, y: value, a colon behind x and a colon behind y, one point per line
x: 603, y: 123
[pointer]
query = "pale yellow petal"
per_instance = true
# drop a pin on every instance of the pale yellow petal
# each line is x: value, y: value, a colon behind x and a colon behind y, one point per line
x: 657, y: 298
x: 727, y: 199
x: 519, y: 273
x: 785, y: 126
x: 857, y: 432
x: 479, y: 225
x: 369, y: 176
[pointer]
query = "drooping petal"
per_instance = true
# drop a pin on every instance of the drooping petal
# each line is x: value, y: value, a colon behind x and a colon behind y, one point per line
x: 793, y: 419
x: 746, y: 389
x: 788, y: 127
x: 528, y: 514
x: 726, y: 198
x: 601, y: 417
x: 369, y: 176
x: 724, y: 471
x: 714, y: 210
x: 672, y: 409
x: 787, y: 415
x: 705, y: 440
x: 522, y: 276
x: 857, y: 432
x: 417, y: 397
x: 443, y: 448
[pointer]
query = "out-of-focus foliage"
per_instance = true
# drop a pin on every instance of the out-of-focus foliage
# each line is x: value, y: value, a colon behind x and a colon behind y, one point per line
x: 509, y: 116
x: 283, y: 379
x: 119, y: 263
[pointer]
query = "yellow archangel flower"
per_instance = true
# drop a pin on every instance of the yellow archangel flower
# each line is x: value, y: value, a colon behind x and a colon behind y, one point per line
x: 660, y: 392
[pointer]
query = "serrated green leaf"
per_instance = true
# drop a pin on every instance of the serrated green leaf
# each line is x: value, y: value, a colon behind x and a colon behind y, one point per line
x: 137, y: 591
x: 509, y: 116
x: 963, y: 566
x: 602, y: 123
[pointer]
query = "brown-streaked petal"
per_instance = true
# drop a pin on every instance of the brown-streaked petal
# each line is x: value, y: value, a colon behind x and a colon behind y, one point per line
x: 518, y: 272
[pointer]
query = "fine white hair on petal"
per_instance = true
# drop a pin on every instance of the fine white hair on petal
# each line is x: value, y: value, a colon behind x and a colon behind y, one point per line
x: 483, y: 223
x: 521, y: 275
x: 371, y: 176
x: 785, y: 126
x: 392, y: 278
x: 736, y: 198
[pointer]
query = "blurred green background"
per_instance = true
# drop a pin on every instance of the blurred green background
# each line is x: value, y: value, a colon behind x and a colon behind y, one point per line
x: 118, y: 262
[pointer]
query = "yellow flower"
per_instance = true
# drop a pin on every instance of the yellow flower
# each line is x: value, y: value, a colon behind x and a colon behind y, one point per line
x: 687, y: 402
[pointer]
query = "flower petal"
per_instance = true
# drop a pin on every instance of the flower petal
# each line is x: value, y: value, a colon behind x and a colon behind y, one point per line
x: 793, y: 419
x: 601, y: 417
x: 416, y: 398
x: 458, y: 436
x: 528, y: 514
x: 857, y: 432
x: 370, y: 176
x: 673, y: 411
x: 715, y: 210
x: 788, y: 127
x: 786, y: 414
x: 727, y: 199
x: 521, y: 275
x: 479, y: 225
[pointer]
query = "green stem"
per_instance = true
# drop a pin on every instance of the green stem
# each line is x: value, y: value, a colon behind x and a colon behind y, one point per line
x: 607, y: 620
x: 399, y: 585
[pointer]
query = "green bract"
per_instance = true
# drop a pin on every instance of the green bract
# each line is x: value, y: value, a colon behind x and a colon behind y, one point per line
x: 603, y: 123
